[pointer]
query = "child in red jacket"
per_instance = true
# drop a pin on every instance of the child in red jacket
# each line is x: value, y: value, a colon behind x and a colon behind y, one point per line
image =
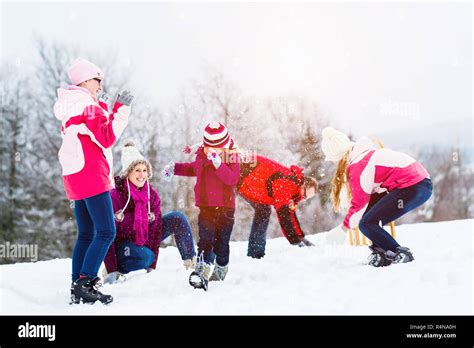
x: 265, y: 183
x: 217, y: 176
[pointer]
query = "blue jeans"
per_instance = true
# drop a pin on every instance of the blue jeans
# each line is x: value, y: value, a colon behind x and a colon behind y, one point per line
x: 177, y: 224
x: 215, y: 229
x: 389, y: 208
x: 132, y: 257
x: 96, y: 231
x: 258, y: 231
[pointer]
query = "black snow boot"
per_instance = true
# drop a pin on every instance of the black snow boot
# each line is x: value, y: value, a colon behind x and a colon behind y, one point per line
x: 379, y: 257
x: 85, y: 291
x: 74, y: 300
x: 402, y: 255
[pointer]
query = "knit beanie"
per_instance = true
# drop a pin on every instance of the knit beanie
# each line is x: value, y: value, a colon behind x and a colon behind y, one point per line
x: 82, y: 70
x: 216, y: 135
x: 130, y: 158
x: 335, y: 144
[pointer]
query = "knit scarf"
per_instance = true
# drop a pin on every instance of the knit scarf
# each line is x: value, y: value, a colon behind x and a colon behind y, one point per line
x: 140, y: 223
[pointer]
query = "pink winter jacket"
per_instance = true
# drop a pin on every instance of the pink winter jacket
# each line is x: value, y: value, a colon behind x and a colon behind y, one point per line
x: 374, y: 170
x: 88, y: 133
x: 214, y: 187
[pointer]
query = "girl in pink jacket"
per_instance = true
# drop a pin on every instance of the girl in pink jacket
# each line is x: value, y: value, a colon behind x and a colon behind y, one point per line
x: 88, y: 132
x: 217, y: 174
x: 381, y: 185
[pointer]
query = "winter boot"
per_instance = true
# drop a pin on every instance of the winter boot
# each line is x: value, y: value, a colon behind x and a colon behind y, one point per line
x: 74, y: 300
x: 402, y: 255
x: 378, y: 258
x: 219, y: 273
x: 199, y: 278
x: 85, y: 291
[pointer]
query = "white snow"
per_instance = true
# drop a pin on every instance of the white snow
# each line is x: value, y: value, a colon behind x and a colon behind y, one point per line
x: 325, y: 279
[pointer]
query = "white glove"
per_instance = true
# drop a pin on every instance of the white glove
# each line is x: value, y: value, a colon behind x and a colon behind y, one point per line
x: 113, y: 277
x: 336, y: 236
x: 168, y: 171
x: 190, y: 263
x: 215, y: 158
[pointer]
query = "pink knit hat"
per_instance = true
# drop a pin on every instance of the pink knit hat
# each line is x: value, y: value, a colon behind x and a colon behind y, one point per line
x: 82, y: 70
x: 216, y: 135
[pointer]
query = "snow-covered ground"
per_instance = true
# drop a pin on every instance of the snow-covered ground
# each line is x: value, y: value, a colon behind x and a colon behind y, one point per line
x: 325, y: 279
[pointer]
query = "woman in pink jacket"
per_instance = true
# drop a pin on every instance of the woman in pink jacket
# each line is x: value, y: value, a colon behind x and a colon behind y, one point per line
x: 88, y: 132
x: 382, y: 185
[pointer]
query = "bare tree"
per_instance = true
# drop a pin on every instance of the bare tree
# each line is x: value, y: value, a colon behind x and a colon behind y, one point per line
x: 13, y: 110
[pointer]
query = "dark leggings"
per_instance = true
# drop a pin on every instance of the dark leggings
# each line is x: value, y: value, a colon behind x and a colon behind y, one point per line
x: 386, y: 208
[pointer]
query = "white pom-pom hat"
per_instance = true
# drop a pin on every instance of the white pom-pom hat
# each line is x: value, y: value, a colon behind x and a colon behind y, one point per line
x: 131, y: 157
x: 335, y: 144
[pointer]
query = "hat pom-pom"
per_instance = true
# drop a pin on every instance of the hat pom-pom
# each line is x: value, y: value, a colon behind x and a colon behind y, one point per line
x: 187, y: 149
x: 214, y: 125
x: 328, y: 132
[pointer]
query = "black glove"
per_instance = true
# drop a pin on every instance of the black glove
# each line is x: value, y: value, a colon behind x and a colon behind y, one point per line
x: 306, y: 242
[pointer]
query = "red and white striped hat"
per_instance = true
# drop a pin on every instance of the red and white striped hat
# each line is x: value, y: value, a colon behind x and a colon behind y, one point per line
x: 216, y: 135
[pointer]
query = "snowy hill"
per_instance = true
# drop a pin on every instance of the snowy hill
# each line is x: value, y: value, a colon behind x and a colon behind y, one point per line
x: 326, y: 279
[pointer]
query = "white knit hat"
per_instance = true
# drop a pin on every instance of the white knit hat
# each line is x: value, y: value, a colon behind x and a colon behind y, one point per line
x: 335, y: 144
x: 130, y: 158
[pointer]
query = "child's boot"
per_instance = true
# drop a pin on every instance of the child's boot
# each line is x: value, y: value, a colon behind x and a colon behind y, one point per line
x: 200, y: 277
x: 219, y: 273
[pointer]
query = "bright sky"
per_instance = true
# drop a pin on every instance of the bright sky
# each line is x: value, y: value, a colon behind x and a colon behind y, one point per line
x: 371, y: 66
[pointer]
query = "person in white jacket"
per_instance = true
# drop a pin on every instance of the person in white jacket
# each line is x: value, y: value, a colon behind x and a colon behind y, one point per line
x: 381, y: 186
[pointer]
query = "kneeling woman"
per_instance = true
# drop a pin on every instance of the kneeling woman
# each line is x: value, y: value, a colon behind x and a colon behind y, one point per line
x: 139, y: 223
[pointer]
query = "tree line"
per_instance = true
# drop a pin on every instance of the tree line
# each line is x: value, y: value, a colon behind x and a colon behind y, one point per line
x: 33, y: 205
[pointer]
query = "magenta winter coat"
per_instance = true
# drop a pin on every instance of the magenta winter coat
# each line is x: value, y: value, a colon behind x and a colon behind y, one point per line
x: 125, y: 230
x: 214, y: 187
